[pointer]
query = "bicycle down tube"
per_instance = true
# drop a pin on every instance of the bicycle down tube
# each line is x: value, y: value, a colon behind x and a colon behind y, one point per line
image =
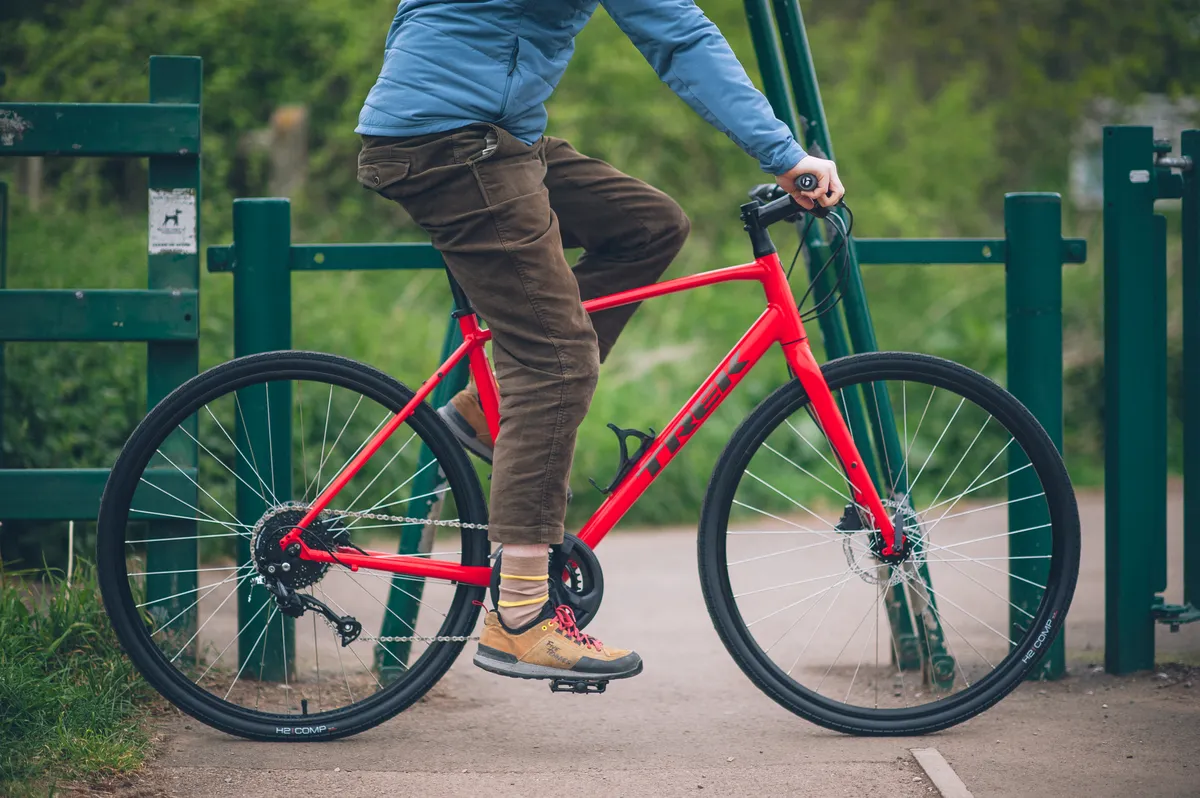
x: 779, y: 323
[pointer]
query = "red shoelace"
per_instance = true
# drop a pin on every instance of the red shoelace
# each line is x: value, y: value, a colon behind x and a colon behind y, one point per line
x: 565, y: 617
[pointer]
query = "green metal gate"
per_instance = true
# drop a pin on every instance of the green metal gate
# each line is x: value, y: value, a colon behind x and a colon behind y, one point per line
x: 1139, y: 171
x: 166, y: 315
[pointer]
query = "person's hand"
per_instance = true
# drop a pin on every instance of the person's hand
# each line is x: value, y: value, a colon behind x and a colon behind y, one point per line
x: 829, y: 188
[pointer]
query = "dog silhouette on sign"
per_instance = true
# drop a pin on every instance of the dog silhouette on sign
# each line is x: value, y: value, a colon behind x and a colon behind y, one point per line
x: 172, y: 217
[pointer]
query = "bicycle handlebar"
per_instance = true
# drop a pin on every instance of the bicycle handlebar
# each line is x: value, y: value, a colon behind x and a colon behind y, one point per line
x: 785, y: 207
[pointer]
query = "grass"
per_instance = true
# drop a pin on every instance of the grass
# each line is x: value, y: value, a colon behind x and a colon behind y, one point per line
x: 70, y: 700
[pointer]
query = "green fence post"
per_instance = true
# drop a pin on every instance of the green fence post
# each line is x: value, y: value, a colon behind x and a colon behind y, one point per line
x: 1135, y: 398
x: 404, y: 597
x: 168, y: 363
x: 1033, y: 291
x: 262, y: 318
x: 3, y: 284
x: 1190, y: 148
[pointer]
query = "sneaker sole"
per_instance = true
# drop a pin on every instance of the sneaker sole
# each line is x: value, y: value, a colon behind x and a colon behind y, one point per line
x: 525, y: 670
x: 464, y: 434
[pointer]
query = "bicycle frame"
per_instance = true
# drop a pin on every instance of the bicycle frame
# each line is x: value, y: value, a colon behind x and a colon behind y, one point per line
x: 779, y: 323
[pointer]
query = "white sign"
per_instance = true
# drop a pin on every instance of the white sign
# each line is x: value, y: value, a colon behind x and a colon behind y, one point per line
x: 173, y: 221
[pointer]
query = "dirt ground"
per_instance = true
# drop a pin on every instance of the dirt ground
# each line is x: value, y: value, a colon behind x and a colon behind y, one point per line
x: 692, y: 724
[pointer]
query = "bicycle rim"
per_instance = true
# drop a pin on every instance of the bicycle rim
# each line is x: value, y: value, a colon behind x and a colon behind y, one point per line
x: 796, y: 581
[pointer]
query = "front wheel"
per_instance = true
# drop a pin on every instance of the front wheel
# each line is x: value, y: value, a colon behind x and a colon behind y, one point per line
x: 793, y: 572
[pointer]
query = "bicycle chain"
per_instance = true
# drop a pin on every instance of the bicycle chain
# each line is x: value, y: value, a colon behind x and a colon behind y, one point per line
x: 403, y: 519
x: 419, y: 638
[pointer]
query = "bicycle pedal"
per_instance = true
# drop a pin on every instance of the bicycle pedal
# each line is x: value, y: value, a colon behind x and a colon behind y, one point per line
x: 577, y: 686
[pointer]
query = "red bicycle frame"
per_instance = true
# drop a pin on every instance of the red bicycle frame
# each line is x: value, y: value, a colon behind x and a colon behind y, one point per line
x: 779, y: 323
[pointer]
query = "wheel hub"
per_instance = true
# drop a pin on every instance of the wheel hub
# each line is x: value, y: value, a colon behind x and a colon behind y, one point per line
x: 325, y: 533
x: 864, y: 547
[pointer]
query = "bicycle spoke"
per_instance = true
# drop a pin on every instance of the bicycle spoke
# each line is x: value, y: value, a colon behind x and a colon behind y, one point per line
x: 270, y: 441
x: 188, y: 477
x: 385, y: 468
x: 842, y: 650
x: 325, y: 457
x: 224, y: 581
x: 212, y: 615
x: 207, y: 517
x: 973, y: 481
x: 303, y: 446
x: 751, y: 474
x: 324, y: 437
x: 270, y: 617
x: 804, y: 470
x: 232, y: 640
x: 820, y: 623
x: 954, y: 470
x: 222, y: 462
x: 788, y: 584
x: 361, y: 446
x: 784, y: 551
x: 800, y: 529
x: 397, y: 489
x: 981, y: 486
x: 933, y: 451
x: 188, y: 537
x: 237, y: 401
x: 200, y: 598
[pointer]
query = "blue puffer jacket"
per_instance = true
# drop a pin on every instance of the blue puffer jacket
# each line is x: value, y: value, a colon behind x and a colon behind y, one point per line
x: 450, y: 63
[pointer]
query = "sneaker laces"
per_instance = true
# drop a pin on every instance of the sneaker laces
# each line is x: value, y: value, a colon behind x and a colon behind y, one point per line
x: 565, y: 617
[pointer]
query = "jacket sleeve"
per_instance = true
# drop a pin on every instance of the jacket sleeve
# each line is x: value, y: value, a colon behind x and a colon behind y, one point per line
x: 692, y: 57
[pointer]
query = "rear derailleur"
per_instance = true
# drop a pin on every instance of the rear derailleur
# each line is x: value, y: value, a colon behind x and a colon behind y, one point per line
x: 294, y: 604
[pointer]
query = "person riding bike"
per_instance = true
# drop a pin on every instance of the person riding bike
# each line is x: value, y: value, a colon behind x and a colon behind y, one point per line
x: 453, y: 131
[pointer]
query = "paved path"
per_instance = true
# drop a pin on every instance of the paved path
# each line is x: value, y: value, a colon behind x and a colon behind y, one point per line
x: 693, y: 725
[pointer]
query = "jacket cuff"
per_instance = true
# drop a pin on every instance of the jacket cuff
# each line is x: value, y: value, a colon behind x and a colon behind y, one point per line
x: 787, y: 159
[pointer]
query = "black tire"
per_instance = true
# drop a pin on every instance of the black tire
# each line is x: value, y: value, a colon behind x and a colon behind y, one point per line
x: 1008, y: 674
x: 130, y: 627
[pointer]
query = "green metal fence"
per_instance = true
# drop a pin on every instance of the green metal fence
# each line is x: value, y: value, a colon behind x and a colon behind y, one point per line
x: 1138, y: 171
x: 166, y: 130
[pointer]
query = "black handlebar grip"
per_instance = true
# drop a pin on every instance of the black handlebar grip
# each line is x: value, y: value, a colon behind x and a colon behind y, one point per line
x: 807, y: 182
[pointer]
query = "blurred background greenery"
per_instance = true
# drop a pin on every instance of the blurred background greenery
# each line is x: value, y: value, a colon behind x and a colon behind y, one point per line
x: 936, y: 109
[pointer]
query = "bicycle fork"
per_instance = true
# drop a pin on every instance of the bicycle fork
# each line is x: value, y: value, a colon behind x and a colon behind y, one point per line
x: 865, y: 495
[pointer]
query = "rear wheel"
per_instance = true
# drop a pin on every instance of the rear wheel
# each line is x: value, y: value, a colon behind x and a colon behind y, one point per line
x: 194, y: 509
x: 794, y: 576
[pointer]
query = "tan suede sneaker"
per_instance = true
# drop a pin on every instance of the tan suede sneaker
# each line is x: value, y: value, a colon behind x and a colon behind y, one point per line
x: 464, y: 416
x: 552, y: 647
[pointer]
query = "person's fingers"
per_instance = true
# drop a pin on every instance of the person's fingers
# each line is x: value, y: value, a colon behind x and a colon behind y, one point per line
x: 839, y: 190
x: 804, y: 201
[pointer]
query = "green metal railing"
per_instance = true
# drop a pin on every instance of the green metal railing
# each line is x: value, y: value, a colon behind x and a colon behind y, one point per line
x: 165, y: 130
x: 1033, y: 251
x: 1138, y: 171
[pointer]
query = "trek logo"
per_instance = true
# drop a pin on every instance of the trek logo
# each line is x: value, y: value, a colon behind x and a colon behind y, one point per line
x: 700, y: 411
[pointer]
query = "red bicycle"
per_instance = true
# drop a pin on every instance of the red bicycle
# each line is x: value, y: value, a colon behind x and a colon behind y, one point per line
x: 885, y: 604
